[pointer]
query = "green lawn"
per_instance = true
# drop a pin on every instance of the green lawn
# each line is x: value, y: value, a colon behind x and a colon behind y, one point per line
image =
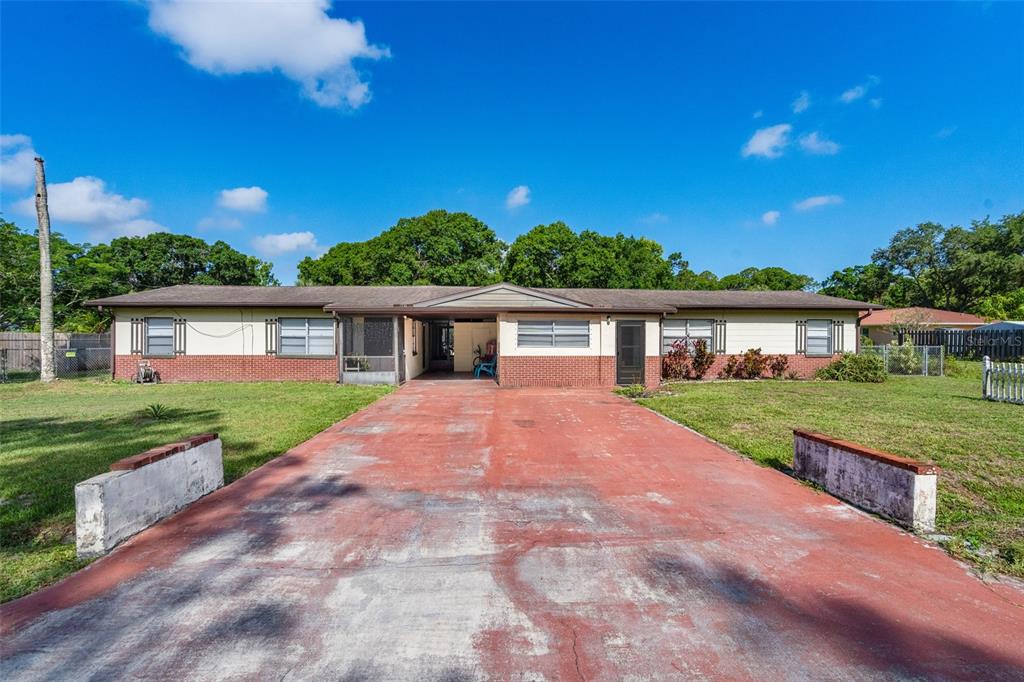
x: 53, y: 436
x: 978, y: 444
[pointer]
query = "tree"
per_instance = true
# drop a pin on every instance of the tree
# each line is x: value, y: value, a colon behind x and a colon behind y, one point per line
x: 868, y: 283
x: 766, y: 279
x: 436, y: 248
x: 956, y: 268
x: 46, y: 370
x: 1009, y: 306
x: 538, y: 257
x: 84, y: 272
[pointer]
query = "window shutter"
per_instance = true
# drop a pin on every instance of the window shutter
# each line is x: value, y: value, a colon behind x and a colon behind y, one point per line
x: 270, y: 338
x: 801, y: 336
x: 837, y: 337
x: 179, y: 336
x: 137, y: 334
x: 718, y: 345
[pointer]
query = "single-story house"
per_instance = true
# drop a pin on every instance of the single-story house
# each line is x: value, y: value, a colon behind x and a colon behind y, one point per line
x: 880, y: 325
x: 1001, y: 326
x: 389, y: 334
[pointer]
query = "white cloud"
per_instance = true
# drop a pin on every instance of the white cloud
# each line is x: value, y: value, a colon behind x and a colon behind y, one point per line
x: 517, y: 196
x: 858, y: 91
x: 770, y: 217
x: 219, y: 223
x: 759, y: 113
x: 249, y: 199
x: 802, y: 103
x: 768, y: 142
x: 943, y: 133
x: 85, y: 200
x: 818, y: 201
x: 813, y: 143
x: 285, y: 242
x: 296, y: 38
x: 875, y: 102
x: 17, y: 161
x: 656, y: 218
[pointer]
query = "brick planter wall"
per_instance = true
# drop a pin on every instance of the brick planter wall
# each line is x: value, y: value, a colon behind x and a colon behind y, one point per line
x: 231, y: 368
x: 568, y: 371
x: 803, y: 365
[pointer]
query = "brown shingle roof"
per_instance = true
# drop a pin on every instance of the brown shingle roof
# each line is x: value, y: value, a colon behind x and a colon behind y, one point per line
x: 191, y: 295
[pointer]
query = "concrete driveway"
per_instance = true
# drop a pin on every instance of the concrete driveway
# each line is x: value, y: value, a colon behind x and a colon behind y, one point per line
x: 456, y: 531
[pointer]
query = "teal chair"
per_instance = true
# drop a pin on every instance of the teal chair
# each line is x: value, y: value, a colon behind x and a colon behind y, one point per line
x: 487, y: 365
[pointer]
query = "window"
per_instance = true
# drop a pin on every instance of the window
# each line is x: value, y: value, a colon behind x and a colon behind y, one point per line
x: 819, y: 337
x: 306, y: 336
x: 159, y: 336
x: 691, y: 330
x: 554, y: 334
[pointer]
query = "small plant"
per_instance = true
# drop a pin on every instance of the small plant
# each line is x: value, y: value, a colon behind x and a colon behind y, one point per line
x: 703, y: 358
x: 632, y: 391
x: 851, y: 367
x: 158, y: 411
x: 753, y: 364
x: 904, y: 359
x: 792, y: 375
x: 675, y: 365
x: 730, y: 367
x: 777, y: 365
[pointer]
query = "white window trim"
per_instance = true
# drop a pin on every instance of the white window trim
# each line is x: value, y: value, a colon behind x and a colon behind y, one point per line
x: 281, y: 335
x: 828, y: 337
x: 148, y: 334
x: 580, y: 327
x: 667, y: 340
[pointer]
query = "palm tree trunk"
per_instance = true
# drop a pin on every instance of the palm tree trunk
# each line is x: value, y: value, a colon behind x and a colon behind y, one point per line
x: 46, y: 373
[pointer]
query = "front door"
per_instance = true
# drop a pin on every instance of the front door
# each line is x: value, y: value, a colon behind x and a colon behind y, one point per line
x: 629, y: 352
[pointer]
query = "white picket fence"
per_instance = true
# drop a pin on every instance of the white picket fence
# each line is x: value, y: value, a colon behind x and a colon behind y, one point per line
x: 1003, y: 381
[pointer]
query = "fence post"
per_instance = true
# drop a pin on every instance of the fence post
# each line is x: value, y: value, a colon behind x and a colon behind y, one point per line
x: 986, y: 377
x: 926, y: 354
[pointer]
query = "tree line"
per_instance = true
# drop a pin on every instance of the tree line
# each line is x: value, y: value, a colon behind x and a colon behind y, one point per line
x: 978, y: 269
x: 83, y: 272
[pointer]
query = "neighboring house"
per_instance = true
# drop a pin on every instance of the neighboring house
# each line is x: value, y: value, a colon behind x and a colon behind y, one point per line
x: 541, y: 337
x: 880, y: 325
x: 1005, y: 325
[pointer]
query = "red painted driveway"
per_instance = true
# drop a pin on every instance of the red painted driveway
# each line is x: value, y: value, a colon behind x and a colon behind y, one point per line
x: 457, y: 531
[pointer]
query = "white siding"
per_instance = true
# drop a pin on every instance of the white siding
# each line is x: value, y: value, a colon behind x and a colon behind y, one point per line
x: 413, y: 363
x: 602, y: 334
x: 213, y: 331
x: 774, y: 332
x: 500, y: 298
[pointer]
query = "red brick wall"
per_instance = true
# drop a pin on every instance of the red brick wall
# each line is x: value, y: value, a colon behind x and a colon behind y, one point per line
x: 573, y: 371
x: 231, y: 368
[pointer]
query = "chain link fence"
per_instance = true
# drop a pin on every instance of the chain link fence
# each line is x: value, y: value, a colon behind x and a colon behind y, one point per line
x: 909, y: 360
x: 74, y: 355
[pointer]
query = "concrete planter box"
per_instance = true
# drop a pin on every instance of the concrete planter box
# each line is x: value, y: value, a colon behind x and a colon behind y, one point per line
x: 896, y: 487
x: 140, y: 490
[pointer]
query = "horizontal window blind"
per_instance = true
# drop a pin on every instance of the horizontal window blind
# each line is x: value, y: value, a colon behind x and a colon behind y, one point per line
x: 553, y: 334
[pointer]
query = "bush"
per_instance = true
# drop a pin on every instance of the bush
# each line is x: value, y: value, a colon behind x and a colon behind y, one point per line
x: 703, y: 358
x: 904, y: 359
x: 750, y: 365
x: 777, y: 365
x: 851, y: 367
x: 632, y: 391
x: 964, y: 369
x: 675, y: 364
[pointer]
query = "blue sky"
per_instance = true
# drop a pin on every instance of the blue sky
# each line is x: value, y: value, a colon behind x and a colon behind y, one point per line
x: 684, y: 123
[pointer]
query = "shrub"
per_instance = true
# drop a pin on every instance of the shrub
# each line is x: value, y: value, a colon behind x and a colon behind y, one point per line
x: 675, y: 364
x: 632, y: 391
x: 729, y: 368
x: 851, y: 367
x: 753, y: 364
x: 703, y: 358
x: 158, y: 411
x: 777, y: 365
x: 793, y: 374
x: 966, y: 369
x: 904, y: 359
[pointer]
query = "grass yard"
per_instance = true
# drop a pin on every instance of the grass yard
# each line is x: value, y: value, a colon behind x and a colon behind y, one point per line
x: 53, y: 436
x: 979, y: 444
